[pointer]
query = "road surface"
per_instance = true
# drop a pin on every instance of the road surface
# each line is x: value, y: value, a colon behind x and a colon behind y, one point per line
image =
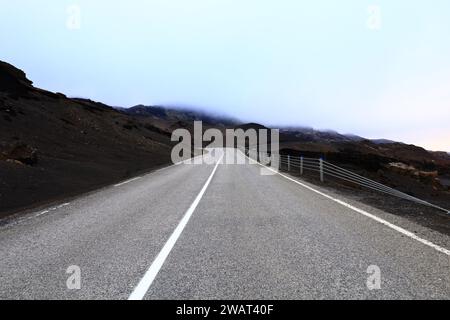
x: 214, y: 231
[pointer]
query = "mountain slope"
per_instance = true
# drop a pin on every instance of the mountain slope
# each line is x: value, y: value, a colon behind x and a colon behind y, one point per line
x: 52, y: 146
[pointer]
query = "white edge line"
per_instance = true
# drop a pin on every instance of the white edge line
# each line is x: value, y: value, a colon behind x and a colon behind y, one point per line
x: 116, y: 185
x: 43, y: 212
x: 127, y: 181
x: 147, y: 280
x: 364, y: 213
x: 35, y: 215
x: 161, y: 169
x: 52, y: 209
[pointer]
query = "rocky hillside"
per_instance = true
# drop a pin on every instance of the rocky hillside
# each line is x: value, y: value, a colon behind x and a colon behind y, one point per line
x: 173, y: 115
x: 52, y: 146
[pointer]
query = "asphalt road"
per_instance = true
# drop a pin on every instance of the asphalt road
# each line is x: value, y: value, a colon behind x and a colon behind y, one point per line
x: 215, y: 231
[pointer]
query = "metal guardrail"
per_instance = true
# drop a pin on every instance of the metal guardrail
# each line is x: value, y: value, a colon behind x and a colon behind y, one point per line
x: 325, y: 168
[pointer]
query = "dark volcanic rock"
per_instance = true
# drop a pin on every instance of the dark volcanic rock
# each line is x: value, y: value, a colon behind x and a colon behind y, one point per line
x: 13, y: 80
x: 19, y: 152
x: 52, y: 147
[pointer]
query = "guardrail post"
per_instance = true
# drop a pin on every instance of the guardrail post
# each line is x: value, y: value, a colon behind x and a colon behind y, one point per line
x: 301, y: 165
x: 289, y: 162
x: 321, y: 169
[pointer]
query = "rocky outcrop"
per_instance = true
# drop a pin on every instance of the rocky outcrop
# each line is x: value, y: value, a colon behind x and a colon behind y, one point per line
x: 424, y: 177
x: 405, y: 169
x: 13, y: 80
x: 19, y: 153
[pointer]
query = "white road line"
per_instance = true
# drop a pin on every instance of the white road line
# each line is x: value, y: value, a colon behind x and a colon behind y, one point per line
x: 125, y: 182
x: 145, y: 283
x: 41, y: 213
x: 35, y: 215
x: 175, y: 164
x: 52, y: 209
x: 190, y: 160
x: 365, y: 213
x: 20, y: 220
x: 158, y: 170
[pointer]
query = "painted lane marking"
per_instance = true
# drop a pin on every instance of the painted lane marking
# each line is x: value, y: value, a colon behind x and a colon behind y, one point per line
x: 127, y: 181
x: 52, y: 209
x: 32, y: 216
x: 43, y: 212
x: 158, y: 170
x: 150, y: 275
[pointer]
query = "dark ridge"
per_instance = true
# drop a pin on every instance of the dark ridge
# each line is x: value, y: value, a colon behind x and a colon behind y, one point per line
x: 13, y: 80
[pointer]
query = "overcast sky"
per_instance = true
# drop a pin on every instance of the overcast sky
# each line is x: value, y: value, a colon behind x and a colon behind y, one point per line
x: 380, y: 69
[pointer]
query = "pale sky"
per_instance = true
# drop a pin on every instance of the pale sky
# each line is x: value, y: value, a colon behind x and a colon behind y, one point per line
x: 379, y: 69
